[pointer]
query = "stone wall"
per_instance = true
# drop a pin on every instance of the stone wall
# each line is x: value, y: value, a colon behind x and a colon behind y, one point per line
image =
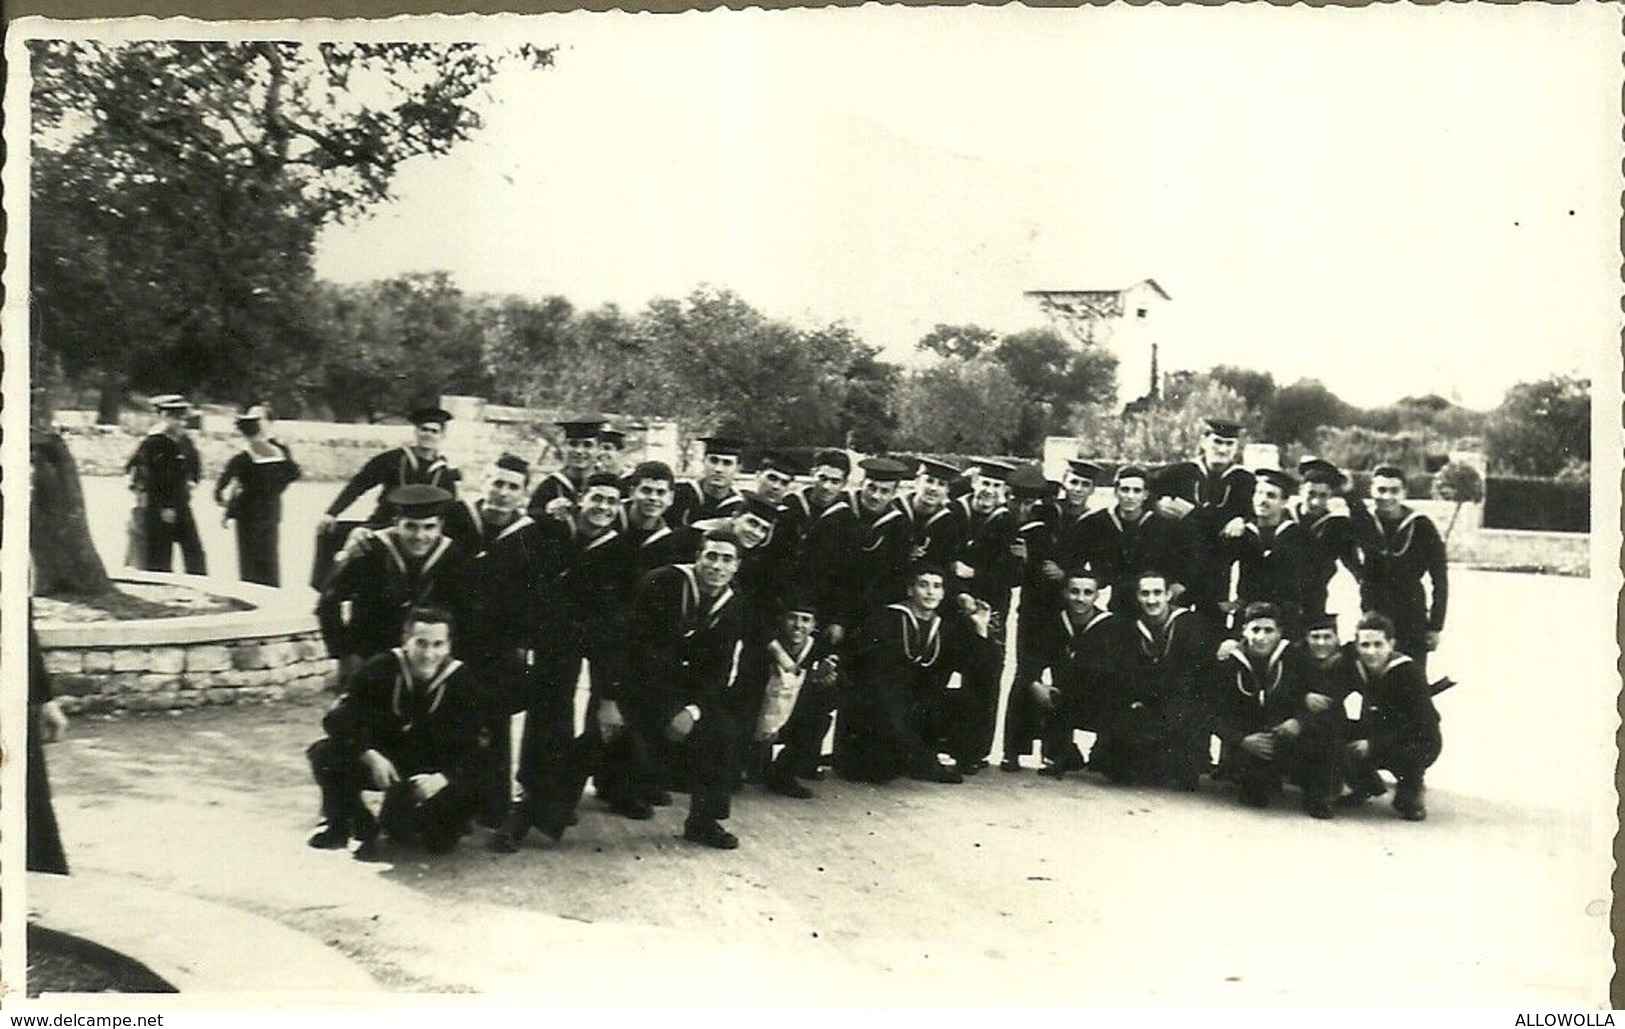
x: 334, y: 451
x: 161, y: 678
x: 270, y: 652
x: 1567, y: 553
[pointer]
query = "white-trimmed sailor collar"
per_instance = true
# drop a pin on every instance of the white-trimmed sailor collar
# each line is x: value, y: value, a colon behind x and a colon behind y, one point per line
x: 931, y: 646
x: 387, y: 539
x: 1393, y: 662
x: 692, y: 597
x: 435, y: 687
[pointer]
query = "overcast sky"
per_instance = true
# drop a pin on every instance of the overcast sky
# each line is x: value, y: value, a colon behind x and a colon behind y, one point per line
x: 1394, y: 200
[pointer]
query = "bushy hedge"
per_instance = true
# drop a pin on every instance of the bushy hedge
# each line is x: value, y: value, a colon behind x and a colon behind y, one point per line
x: 1547, y: 505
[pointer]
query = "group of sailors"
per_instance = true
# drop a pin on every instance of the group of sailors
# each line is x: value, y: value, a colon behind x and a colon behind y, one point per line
x: 726, y: 631
x: 166, y: 466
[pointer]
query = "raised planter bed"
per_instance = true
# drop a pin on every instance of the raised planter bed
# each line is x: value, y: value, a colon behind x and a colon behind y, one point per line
x: 271, y: 651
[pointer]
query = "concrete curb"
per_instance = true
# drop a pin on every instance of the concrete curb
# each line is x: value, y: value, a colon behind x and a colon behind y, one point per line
x: 277, y: 612
x: 197, y: 946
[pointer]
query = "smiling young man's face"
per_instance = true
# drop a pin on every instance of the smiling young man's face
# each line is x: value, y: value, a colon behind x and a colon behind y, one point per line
x: 600, y: 507
x: 579, y: 454
x: 925, y: 591
x: 1268, y: 501
x: 716, y: 564
x: 427, y: 645
x: 1082, y: 592
x: 989, y: 494
x: 1260, y: 636
x: 651, y: 498
x: 1152, y: 594
x: 1078, y: 488
x: 419, y: 535
x: 1388, y: 492
x: 930, y: 492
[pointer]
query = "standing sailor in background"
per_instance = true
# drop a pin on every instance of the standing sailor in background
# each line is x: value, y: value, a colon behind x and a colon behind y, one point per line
x: 250, y: 489
x: 1401, y: 546
x: 419, y: 463
x: 558, y: 494
x: 714, y: 496
x: 987, y: 570
x: 823, y: 516
x: 166, y: 466
x: 1077, y: 487
x: 1211, y: 494
x: 1331, y: 533
x: 611, y: 450
x: 882, y: 541
x: 1042, y: 581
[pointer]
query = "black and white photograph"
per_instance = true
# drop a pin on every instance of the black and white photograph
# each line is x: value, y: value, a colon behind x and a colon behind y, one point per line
x: 887, y: 508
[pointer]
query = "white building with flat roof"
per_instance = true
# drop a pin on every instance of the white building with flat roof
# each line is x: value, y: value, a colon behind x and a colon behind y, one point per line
x: 1127, y: 320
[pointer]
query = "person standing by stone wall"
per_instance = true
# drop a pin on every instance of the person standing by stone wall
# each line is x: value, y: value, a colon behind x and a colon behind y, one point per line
x: 250, y: 489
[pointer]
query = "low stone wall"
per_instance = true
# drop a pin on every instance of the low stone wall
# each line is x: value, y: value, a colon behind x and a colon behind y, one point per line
x: 1567, y: 553
x: 272, y: 652
x: 322, y: 457
x: 334, y: 451
x: 96, y: 679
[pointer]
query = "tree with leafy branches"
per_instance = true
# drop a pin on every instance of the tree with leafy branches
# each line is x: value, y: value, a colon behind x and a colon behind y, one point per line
x: 177, y: 188
x: 179, y: 185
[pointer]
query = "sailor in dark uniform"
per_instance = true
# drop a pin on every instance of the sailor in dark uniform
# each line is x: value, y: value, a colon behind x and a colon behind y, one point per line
x: 1077, y: 487
x: 409, y: 725
x: 1398, y: 728
x: 826, y: 526
x: 410, y: 564
x: 1127, y: 538
x: 676, y: 699
x: 775, y: 473
x: 883, y: 540
x: 250, y: 489
x: 901, y: 663
x: 1211, y: 494
x: 937, y: 532
x: 1331, y: 533
x: 166, y: 466
x: 1042, y: 581
x: 512, y: 558
x: 1158, y: 728
x: 714, y: 496
x: 611, y: 450
x: 653, y: 542
x: 987, y: 570
x: 799, y: 662
x: 1401, y: 546
x: 583, y: 620
x: 1275, y: 554
x: 1259, y: 694
x: 1083, y: 652
x: 936, y: 528
x: 559, y: 492
x: 419, y: 463
x: 765, y: 572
